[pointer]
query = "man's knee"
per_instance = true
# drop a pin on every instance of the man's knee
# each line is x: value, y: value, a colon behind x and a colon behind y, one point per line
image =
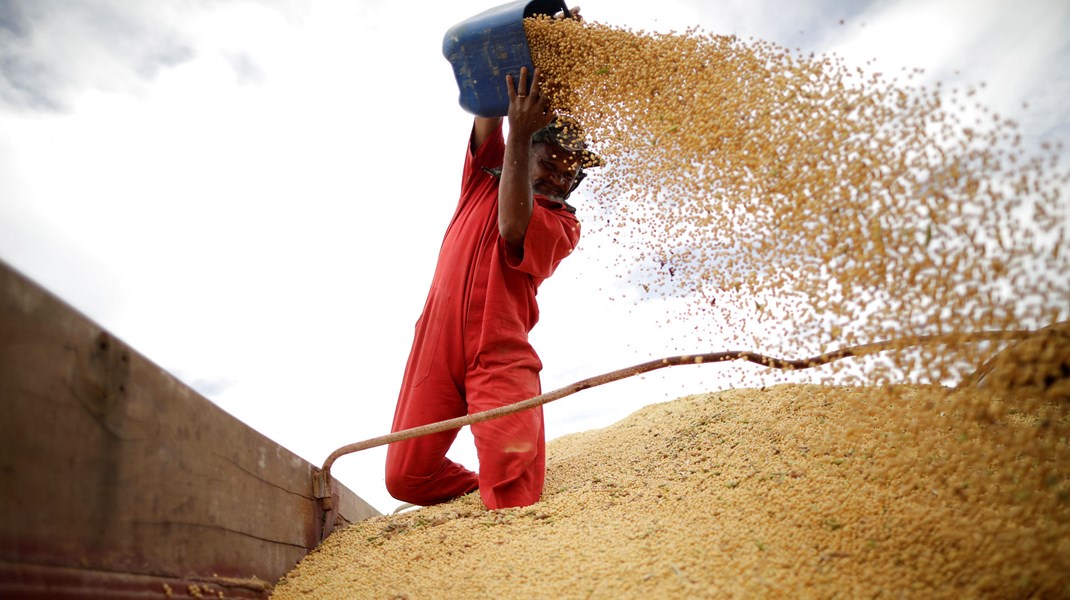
x: 404, y: 476
x: 447, y: 483
x: 401, y: 486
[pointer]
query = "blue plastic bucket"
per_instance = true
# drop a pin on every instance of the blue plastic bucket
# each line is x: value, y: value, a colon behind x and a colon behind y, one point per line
x: 485, y: 48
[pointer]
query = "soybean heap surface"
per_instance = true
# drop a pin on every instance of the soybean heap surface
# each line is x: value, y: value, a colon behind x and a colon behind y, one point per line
x: 795, y: 205
x: 791, y: 491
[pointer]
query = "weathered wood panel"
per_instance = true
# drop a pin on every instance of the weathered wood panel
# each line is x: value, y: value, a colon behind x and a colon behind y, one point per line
x: 112, y: 470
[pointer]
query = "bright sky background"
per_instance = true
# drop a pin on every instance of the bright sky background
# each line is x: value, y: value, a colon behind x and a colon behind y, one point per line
x: 252, y: 193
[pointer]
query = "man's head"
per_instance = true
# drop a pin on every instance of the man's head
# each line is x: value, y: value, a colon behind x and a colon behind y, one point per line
x: 559, y: 155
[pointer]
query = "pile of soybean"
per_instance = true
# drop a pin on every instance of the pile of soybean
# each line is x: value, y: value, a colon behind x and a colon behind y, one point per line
x: 792, y: 491
x: 793, y: 204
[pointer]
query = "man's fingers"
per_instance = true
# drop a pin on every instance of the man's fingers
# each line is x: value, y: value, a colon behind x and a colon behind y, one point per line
x: 574, y: 12
x: 522, y: 87
x: 512, y: 88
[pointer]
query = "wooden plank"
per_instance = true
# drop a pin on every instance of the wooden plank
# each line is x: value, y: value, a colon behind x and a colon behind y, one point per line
x: 111, y: 465
x: 26, y: 581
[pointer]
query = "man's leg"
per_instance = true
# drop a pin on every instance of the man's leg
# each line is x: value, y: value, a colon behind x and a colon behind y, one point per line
x: 417, y: 469
x: 511, y: 449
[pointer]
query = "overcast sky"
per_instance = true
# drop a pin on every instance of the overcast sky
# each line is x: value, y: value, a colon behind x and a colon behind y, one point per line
x: 252, y: 193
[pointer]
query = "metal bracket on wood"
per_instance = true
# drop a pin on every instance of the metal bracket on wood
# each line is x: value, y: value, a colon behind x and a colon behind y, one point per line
x: 321, y: 484
x: 323, y: 490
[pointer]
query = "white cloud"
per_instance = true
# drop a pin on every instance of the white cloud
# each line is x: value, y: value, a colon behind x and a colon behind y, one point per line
x: 52, y: 50
x: 1017, y: 52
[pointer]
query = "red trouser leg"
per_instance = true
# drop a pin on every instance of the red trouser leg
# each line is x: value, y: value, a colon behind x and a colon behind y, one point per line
x: 511, y: 449
x: 417, y: 469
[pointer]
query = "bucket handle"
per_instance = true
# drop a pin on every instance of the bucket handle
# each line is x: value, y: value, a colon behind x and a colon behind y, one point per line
x: 530, y: 10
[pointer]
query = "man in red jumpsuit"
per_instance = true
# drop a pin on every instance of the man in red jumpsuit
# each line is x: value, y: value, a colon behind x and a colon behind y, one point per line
x: 510, y: 230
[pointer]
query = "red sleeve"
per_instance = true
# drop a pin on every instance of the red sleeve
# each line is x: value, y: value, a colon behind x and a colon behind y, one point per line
x: 552, y: 235
x: 490, y: 155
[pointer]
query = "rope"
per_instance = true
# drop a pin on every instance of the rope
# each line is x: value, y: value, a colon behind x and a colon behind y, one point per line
x: 712, y: 357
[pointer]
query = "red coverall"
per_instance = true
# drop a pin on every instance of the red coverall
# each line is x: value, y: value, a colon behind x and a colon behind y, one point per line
x: 471, y: 352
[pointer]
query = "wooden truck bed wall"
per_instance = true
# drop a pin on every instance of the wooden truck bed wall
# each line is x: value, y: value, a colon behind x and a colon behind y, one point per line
x: 117, y: 480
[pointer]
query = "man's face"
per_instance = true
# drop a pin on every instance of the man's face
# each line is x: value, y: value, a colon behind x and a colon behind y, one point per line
x: 553, y: 170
